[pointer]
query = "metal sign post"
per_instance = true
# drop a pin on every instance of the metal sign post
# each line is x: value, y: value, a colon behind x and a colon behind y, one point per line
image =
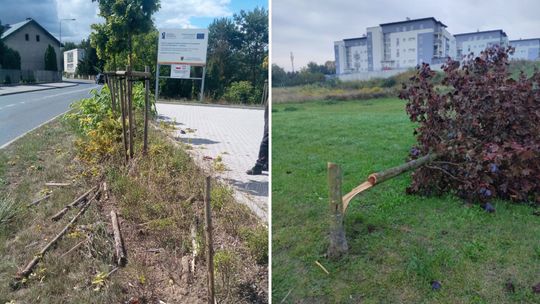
x: 182, y: 47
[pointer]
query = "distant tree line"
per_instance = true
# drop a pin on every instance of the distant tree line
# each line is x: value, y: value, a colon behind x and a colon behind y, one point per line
x: 312, y: 73
x: 237, y: 60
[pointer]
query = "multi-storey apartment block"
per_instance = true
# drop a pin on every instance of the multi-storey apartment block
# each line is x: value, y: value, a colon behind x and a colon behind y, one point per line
x: 390, y: 47
x: 526, y: 49
x: 476, y: 42
x: 396, y: 45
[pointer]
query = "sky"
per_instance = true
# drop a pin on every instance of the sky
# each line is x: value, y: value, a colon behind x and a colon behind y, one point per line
x: 173, y: 14
x: 308, y: 28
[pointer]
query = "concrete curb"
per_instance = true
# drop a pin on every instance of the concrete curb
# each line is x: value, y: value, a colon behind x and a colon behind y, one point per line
x: 39, y: 89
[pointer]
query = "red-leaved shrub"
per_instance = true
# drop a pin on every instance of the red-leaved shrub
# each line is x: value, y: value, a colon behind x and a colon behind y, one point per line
x: 483, y: 125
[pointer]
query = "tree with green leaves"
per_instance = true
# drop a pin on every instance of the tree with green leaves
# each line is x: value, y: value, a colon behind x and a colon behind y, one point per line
x: 9, y: 58
x: 90, y: 64
x: 50, y: 59
x: 124, y: 19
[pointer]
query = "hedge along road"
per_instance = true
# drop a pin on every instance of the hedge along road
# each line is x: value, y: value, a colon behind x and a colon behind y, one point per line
x: 23, y: 112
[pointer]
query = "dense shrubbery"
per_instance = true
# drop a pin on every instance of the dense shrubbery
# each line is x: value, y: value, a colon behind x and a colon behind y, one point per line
x: 100, y: 127
x: 484, y: 129
x: 240, y: 92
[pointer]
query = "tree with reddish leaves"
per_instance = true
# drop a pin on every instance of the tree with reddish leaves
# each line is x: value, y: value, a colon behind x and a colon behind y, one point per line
x: 483, y: 125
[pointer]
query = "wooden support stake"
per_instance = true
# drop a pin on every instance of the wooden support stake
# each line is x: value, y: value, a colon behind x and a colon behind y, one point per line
x: 209, y: 245
x: 130, y: 111
x: 28, y: 269
x: 39, y: 200
x: 118, y: 243
x: 146, y: 109
x: 78, y: 200
x: 338, y: 242
x: 110, y: 83
x: 123, y: 109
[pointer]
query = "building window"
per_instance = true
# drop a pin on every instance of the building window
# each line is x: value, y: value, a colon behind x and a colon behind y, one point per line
x: 26, y: 37
x: 397, y: 41
x: 37, y: 38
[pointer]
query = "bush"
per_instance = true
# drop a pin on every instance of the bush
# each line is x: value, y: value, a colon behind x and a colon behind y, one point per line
x: 257, y: 243
x: 484, y: 129
x: 225, y: 266
x: 100, y: 128
x: 240, y: 92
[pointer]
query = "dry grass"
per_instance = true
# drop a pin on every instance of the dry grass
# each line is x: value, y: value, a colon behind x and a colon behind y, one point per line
x: 150, y: 195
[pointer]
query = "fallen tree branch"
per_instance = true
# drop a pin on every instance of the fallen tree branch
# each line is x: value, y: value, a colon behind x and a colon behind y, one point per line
x: 61, y: 213
x: 57, y: 184
x: 39, y: 200
x: 381, y: 176
x: 118, y: 244
x: 322, y: 267
x: 28, y: 269
x: 75, y: 247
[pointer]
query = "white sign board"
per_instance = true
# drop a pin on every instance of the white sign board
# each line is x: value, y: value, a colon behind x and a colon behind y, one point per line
x: 183, y: 46
x: 180, y: 71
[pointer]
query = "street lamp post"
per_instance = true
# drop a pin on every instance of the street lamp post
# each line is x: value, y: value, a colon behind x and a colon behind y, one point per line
x: 65, y: 19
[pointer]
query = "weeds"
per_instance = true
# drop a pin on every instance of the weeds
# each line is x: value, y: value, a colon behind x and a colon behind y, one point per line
x: 257, y: 243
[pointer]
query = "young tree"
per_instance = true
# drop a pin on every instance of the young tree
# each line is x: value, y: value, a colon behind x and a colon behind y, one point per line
x: 123, y: 20
x: 50, y: 59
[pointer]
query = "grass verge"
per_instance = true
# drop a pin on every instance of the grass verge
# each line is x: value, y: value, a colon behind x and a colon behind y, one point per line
x: 398, y: 244
x: 151, y: 195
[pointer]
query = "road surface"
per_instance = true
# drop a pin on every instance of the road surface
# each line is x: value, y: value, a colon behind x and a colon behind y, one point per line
x: 23, y: 112
x: 230, y: 134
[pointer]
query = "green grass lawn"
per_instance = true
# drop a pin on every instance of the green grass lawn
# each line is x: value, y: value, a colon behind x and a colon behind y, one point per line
x: 398, y: 243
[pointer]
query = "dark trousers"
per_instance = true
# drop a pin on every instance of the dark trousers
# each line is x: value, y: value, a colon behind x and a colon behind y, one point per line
x: 263, y: 149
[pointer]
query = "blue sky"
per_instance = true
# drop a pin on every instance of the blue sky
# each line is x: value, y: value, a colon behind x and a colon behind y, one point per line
x: 235, y: 6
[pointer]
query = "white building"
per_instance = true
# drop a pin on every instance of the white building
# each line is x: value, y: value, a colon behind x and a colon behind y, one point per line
x: 71, y: 60
x: 476, y: 42
x: 526, y: 49
x: 395, y: 46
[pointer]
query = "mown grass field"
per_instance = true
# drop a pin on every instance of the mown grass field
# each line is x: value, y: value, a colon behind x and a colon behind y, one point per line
x: 398, y: 243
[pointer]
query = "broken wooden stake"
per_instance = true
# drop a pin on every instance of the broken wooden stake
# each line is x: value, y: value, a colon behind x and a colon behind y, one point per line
x: 39, y: 200
x: 81, y: 198
x: 118, y: 243
x: 28, y: 269
x: 338, y: 242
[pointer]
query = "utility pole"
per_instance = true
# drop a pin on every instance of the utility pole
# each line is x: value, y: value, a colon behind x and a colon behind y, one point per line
x: 292, y: 62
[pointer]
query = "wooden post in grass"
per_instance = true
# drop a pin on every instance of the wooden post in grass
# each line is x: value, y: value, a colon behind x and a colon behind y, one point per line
x: 146, y: 109
x: 338, y: 242
x: 209, y: 245
x: 118, y: 243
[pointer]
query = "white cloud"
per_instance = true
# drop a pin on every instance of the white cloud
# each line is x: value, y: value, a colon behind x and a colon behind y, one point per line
x: 177, y: 13
x: 84, y: 11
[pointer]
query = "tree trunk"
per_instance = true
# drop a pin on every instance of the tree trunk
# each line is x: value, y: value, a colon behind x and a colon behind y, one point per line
x: 338, y: 242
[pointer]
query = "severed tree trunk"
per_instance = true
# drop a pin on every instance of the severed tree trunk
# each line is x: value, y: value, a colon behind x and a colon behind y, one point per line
x: 338, y: 242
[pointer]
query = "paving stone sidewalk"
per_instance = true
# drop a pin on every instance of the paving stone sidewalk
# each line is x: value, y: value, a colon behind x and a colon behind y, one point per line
x: 234, y: 134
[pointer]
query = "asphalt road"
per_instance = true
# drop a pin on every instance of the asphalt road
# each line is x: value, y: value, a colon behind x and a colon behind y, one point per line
x: 23, y: 112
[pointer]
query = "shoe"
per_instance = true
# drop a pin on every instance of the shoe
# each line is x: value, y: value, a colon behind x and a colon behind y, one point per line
x: 256, y: 170
x: 265, y: 167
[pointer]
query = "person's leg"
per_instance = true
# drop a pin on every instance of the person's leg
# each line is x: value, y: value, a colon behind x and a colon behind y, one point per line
x: 262, y: 160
